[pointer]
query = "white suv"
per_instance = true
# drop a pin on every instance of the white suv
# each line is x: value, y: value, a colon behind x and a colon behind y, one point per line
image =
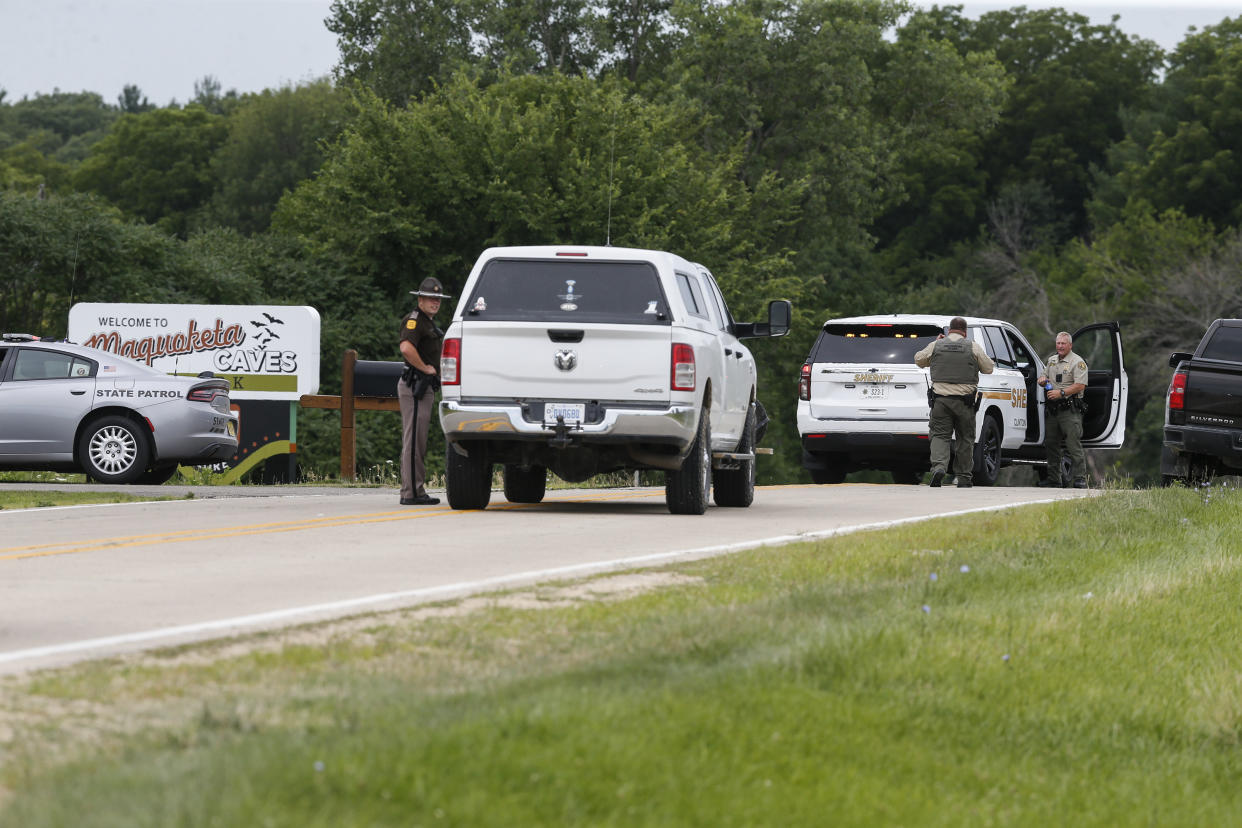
x: 584, y: 360
x: 862, y: 402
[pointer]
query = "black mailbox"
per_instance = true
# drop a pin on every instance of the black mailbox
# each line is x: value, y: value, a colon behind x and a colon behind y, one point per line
x: 376, y: 379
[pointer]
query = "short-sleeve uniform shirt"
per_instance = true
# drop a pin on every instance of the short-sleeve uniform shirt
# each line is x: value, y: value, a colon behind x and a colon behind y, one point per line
x: 420, y: 330
x: 1066, y: 372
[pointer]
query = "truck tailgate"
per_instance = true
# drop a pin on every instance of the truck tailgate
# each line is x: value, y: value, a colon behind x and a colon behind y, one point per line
x: 1214, y: 394
x: 593, y: 361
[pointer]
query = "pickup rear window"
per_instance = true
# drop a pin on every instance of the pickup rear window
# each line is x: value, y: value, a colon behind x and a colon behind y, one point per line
x: 875, y: 343
x: 1225, y: 344
x: 568, y: 292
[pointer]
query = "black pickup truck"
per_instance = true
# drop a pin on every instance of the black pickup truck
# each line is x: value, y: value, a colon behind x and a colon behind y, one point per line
x: 1203, y: 411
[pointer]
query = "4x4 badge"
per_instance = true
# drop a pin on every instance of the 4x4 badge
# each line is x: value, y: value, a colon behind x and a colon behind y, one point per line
x: 565, y: 359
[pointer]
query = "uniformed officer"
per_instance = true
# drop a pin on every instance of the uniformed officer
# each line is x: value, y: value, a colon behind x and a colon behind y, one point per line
x: 1063, y: 411
x: 956, y: 363
x: 420, y: 346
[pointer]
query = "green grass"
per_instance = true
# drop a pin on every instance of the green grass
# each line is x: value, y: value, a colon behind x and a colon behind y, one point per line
x: 35, y: 499
x: 1070, y: 664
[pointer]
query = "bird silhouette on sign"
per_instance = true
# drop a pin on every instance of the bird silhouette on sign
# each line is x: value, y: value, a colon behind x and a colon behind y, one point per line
x: 266, y: 334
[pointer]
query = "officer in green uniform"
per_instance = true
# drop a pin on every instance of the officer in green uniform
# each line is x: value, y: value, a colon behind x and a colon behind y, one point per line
x: 956, y: 363
x: 1065, y: 405
x: 420, y: 346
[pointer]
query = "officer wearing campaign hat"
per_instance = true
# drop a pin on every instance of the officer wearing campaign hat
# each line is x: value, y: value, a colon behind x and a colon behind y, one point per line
x: 419, y: 342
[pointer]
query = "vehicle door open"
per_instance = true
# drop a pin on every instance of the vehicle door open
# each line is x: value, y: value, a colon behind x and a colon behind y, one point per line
x: 1104, y: 424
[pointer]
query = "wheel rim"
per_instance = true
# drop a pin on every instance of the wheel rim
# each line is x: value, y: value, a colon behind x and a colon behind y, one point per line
x: 705, y: 456
x: 991, y: 453
x: 113, y: 450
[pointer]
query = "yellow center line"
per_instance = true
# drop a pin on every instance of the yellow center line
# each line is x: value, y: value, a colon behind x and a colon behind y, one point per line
x: 181, y: 536
x: 308, y: 523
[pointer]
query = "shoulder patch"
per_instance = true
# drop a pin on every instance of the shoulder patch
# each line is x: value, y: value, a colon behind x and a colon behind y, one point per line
x: 411, y: 324
x: 1082, y: 366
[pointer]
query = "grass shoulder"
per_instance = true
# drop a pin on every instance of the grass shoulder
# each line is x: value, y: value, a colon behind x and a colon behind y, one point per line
x: 1070, y: 662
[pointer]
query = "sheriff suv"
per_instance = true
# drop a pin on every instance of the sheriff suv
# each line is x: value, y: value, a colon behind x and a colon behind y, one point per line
x: 862, y: 402
x: 585, y: 360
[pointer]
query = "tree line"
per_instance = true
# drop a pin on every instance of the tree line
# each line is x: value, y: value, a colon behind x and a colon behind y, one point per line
x: 854, y: 156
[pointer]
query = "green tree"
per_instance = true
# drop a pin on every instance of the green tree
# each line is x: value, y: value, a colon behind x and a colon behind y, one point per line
x: 60, y: 250
x: 60, y: 114
x: 276, y: 139
x: 816, y: 92
x: 420, y: 191
x: 400, y: 49
x: 1070, y: 83
x: 156, y: 165
x: 1185, y: 153
x: 638, y: 39
x: 131, y: 101
x: 210, y: 95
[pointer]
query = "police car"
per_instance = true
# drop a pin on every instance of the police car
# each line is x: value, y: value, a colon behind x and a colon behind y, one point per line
x: 862, y: 402
x: 73, y: 408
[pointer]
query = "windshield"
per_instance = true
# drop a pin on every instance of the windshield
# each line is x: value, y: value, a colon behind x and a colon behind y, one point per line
x: 568, y: 292
x: 873, y: 343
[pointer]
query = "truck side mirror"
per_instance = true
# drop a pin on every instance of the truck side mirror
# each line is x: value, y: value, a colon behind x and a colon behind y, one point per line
x: 780, y: 317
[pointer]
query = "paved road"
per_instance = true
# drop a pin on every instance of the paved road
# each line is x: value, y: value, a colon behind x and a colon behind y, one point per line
x: 87, y: 581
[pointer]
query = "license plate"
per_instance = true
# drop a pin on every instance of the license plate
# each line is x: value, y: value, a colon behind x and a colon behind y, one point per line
x: 232, y: 428
x: 571, y: 412
x: 875, y: 392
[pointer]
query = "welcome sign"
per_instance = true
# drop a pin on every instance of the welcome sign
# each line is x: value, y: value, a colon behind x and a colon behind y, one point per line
x: 266, y: 352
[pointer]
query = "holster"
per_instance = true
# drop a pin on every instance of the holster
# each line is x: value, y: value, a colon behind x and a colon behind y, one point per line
x: 424, y: 382
x: 973, y: 400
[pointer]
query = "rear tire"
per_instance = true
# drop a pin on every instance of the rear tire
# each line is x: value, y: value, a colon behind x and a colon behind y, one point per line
x: 988, y: 454
x: 114, y: 450
x: 827, y: 476
x: 525, y: 485
x: 736, y: 487
x: 468, y: 480
x: 686, y: 489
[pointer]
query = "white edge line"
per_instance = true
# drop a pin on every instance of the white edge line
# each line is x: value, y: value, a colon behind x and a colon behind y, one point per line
x: 466, y: 587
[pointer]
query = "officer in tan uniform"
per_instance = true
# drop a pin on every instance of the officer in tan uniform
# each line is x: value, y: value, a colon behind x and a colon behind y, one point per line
x: 416, y: 390
x: 956, y: 363
x: 1064, y: 381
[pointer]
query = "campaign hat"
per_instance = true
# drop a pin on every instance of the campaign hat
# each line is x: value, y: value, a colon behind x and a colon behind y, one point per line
x: 431, y: 287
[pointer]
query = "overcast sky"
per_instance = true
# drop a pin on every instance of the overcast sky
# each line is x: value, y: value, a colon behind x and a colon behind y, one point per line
x: 164, y: 46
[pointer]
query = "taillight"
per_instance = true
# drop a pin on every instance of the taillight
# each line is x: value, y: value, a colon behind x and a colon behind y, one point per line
x: 804, y: 383
x: 683, y: 367
x: 207, y: 395
x: 1177, y: 391
x: 450, y: 362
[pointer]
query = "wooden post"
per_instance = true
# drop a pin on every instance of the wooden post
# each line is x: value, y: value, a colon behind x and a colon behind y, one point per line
x: 348, y: 443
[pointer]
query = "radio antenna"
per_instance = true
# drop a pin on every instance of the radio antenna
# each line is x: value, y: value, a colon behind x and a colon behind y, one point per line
x: 612, y: 144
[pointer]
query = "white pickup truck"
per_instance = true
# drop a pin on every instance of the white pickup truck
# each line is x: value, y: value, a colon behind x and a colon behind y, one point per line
x: 585, y: 360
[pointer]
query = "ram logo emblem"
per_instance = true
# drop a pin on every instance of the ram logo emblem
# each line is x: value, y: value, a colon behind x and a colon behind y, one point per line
x: 565, y: 359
